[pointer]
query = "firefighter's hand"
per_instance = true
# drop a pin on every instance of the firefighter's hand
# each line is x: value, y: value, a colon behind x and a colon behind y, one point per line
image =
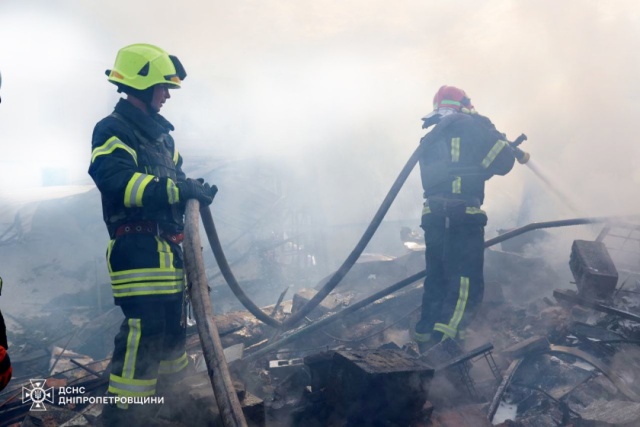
x: 430, y: 121
x: 195, y: 189
x: 212, y: 190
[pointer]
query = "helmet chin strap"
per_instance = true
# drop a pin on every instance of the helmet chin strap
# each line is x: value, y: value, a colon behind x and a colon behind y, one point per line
x: 146, y: 96
x: 143, y: 96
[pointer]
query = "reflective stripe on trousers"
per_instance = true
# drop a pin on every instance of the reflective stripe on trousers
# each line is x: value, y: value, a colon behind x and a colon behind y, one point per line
x: 141, y: 265
x: 151, y: 341
x: 450, y: 330
x: 173, y: 366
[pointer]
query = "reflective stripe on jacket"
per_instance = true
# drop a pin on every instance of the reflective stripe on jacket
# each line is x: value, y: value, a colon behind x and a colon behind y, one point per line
x: 135, y: 165
x: 460, y: 154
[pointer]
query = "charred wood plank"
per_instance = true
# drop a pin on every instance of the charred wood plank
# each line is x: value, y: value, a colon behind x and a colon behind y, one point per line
x: 568, y: 296
x: 530, y: 345
x: 508, y: 376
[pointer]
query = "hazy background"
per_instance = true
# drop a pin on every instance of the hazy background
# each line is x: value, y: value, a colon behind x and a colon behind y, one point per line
x: 333, y: 92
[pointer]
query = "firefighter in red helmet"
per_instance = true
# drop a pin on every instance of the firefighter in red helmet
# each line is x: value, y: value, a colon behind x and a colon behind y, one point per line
x: 460, y: 153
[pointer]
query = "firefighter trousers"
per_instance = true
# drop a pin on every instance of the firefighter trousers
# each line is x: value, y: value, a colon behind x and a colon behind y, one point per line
x: 149, y: 345
x: 454, y: 284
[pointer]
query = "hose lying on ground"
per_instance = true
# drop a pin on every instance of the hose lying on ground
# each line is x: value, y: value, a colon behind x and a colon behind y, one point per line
x: 294, y: 335
x: 221, y: 259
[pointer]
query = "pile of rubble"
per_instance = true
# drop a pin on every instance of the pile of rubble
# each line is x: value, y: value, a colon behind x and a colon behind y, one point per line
x: 568, y: 358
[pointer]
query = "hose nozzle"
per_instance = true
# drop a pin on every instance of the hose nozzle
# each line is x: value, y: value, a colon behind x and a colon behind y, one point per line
x: 521, y: 156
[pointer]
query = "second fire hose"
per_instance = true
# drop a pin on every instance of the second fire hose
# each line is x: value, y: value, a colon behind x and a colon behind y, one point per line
x: 216, y: 247
x: 346, y: 266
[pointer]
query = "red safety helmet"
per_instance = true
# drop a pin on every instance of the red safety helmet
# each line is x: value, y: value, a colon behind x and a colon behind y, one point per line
x: 451, y: 97
x: 448, y: 100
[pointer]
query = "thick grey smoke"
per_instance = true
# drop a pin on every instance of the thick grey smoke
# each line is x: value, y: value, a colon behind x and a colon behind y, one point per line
x: 340, y: 87
x: 334, y: 91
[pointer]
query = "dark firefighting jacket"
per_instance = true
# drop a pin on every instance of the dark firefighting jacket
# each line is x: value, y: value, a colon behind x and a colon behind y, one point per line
x: 459, y: 155
x: 135, y: 165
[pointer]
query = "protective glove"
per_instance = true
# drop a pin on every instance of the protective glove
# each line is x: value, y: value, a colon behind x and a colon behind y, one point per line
x: 435, y: 119
x: 211, y: 189
x: 195, y: 189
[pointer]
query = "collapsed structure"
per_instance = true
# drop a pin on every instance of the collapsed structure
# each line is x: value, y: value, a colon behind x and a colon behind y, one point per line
x: 541, y: 355
x: 568, y: 357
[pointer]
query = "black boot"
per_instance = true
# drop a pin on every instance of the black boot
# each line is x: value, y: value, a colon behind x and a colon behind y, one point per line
x: 135, y: 415
x: 112, y: 416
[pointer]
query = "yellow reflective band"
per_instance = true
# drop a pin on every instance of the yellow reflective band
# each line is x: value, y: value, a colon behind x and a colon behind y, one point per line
x: 172, y: 192
x: 145, y: 274
x: 147, y: 289
x: 147, y: 281
x: 109, y: 249
x: 493, y: 153
x: 165, y: 253
x: 176, y: 156
x: 418, y: 337
x: 456, y: 185
x: 463, y: 296
x: 135, y: 189
x: 173, y: 366
x: 474, y: 211
x: 110, y: 146
x: 131, y: 387
x: 445, y: 329
x: 450, y: 102
x: 426, y: 210
x: 133, y: 343
x: 455, y: 149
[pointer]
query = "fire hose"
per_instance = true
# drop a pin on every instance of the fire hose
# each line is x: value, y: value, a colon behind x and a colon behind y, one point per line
x: 333, y: 282
x: 223, y: 390
x: 221, y: 259
x: 302, y: 331
x: 214, y: 241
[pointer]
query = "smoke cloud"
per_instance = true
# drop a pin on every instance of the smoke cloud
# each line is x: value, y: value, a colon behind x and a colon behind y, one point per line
x: 333, y: 92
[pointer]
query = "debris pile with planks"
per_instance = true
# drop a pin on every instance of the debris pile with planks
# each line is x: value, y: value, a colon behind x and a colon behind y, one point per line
x: 569, y: 357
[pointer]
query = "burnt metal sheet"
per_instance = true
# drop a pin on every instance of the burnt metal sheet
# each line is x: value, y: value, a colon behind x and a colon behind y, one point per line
x: 624, y: 389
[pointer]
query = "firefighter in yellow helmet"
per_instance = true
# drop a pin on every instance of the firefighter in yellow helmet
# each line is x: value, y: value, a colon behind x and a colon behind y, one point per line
x: 459, y: 155
x: 138, y: 170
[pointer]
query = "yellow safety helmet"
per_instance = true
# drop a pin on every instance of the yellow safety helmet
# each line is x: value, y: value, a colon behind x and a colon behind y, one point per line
x: 140, y: 66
